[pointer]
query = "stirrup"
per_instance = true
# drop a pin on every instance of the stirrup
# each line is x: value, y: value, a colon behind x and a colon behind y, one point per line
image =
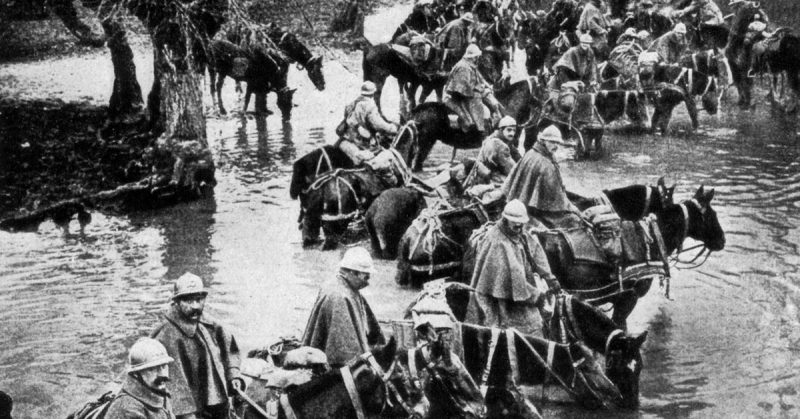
x: 751, y: 74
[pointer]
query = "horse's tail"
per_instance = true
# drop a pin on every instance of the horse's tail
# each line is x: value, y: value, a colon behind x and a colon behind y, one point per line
x: 297, y: 184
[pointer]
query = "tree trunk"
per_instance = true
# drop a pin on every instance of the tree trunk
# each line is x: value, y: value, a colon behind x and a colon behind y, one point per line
x: 350, y: 18
x: 183, y: 143
x: 126, y: 102
x: 65, y: 10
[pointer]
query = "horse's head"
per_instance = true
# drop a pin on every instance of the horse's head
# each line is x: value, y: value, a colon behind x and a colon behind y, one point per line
x: 314, y: 69
x: 703, y: 224
x: 285, y: 102
x: 369, y: 381
x: 593, y: 388
x: 624, y: 364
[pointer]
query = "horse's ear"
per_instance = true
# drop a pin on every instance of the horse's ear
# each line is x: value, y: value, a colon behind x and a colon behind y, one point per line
x: 661, y: 182
x: 710, y: 195
x: 638, y: 340
x: 700, y: 194
x: 385, y: 354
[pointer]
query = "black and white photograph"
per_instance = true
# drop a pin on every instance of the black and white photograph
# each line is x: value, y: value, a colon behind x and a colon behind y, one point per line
x: 411, y: 209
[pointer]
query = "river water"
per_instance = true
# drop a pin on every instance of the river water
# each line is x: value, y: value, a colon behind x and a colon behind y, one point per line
x: 727, y: 345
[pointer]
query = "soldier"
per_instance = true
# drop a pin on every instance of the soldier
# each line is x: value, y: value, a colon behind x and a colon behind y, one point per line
x: 466, y: 91
x: 144, y: 394
x: 510, y: 272
x: 594, y: 23
x: 454, y: 38
x: 341, y: 323
x: 206, y: 356
x: 496, y: 158
x: 671, y: 45
x: 708, y: 13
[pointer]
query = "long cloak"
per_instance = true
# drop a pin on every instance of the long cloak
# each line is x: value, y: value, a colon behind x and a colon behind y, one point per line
x: 341, y: 323
x: 581, y: 62
x: 536, y: 181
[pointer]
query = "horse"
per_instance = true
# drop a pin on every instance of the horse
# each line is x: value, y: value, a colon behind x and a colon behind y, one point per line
x: 360, y: 389
x: 264, y: 70
x: 314, y: 163
x: 499, y: 359
x: 433, y: 246
x: 287, y: 42
x: 692, y: 83
x: 781, y: 52
x: 737, y: 53
x: 576, y: 321
x: 596, y: 282
x: 389, y: 216
x: 522, y: 101
x: 563, y: 18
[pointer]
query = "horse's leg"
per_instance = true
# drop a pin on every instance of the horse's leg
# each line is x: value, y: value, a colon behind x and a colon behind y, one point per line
x: 403, y: 266
x: 220, y: 83
x: 691, y: 108
x: 247, y: 94
x: 311, y: 224
x: 453, y: 157
x: 333, y: 231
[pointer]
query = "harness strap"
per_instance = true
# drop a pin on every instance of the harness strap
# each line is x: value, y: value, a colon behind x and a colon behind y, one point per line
x: 708, y: 85
x: 685, y: 231
x: 573, y: 323
x: 352, y: 391
x: 680, y: 75
x: 287, y: 408
x: 611, y: 337
x: 544, y: 364
x: 551, y: 352
x: 484, y: 387
x: 324, y: 156
x: 512, y: 359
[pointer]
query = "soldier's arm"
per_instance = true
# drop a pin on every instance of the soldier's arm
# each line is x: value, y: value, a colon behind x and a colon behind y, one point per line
x: 377, y: 121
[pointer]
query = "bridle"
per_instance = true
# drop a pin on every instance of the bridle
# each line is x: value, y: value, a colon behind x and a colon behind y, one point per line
x: 684, y: 234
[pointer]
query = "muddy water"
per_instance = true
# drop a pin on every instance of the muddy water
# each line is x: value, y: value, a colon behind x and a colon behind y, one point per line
x: 727, y: 345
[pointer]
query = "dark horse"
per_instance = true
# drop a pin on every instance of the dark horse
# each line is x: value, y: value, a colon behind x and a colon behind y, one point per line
x: 563, y: 16
x: 596, y: 282
x: 265, y: 70
x: 576, y: 321
x: 786, y: 57
x: 692, y: 83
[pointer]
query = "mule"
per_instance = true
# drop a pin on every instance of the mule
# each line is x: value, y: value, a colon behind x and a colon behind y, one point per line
x: 780, y: 56
x: 310, y: 166
x: 506, y: 358
x: 522, y: 101
x: 576, y: 321
x: 692, y: 83
x: 597, y: 282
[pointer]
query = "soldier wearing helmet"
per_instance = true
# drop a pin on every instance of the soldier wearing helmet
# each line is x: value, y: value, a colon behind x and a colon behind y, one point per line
x: 536, y: 181
x: 206, y: 369
x: 708, y: 13
x: 671, y: 45
x: 577, y: 64
x: 509, y: 271
x: 341, y: 323
x: 593, y: 23
x: 454, y: 38
x: 421, y: 20
x: 144, y: 393
x: 466, y: 92
x: 496, y: 158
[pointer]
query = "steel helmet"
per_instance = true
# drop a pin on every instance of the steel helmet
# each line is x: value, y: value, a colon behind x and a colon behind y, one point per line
x: 468, y: 17
x: 507, y: 121
x: 735, y: 2
x: 586, y: 38
x: 680, y: 28
x: 643, y: 35
x: 147, y: 353
x: 472, y: 51
x: 188, y: 284
x: 425, y: 2
x: 630, y: 32
x: 552, y: 134
x: 357, y: 259
x: 368, y: 88
x: 516, y: 212
x: 646, y: 3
